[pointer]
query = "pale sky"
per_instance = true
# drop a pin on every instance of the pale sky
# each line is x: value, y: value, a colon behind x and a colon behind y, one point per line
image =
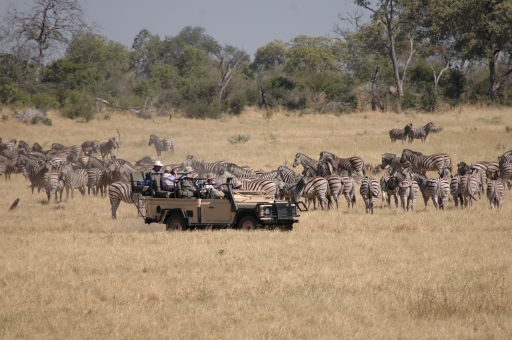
x: 246, y: 24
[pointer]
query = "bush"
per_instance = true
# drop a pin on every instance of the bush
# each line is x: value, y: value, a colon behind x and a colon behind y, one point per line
x: 12, y: 94
x: 237, y: 105
x: 237, y: 139
x: 44, y: 120
x: 78, y: 104
x: 44, y: 101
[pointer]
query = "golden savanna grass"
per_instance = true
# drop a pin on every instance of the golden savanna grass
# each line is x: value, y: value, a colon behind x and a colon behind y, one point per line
x: 69, y: 271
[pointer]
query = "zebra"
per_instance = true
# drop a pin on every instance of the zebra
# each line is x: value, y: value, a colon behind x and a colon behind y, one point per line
x: 304, y: 160
x: 455, y: 191
x: 389, y: 188
x: 94, y: 181
x: 468, y: 187
x: 91, y: 146
x: 107, y: 147
x: 505, y: 168
x: 161, y: 144
x: 294, y: 190
x: 117, y: 192
x: 239, y: 171
x: 420, y: 133
x: 74, y: 179
x: 53, y: 185
x: 316, y: 187
x: 391, y: 160
x: 399, y: 134
x: 203, y: 168
x: 439, y: 190
x: 369, y: 190
x: 496, y: 193
x: 354, y: 165
x: 420, y: 163
x: 264, y: 185
x: 335, y: 185
x: 22, y: 145
x: 271, y: 175
x: 408, y: 191
x: 287, y: 174
x: 10, y: 145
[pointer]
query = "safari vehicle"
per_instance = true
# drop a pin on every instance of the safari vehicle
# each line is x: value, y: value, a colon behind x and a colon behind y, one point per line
x: 239, y: 209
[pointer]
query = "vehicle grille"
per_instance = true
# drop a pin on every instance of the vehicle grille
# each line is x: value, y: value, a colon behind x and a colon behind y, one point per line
x: 284, y: 212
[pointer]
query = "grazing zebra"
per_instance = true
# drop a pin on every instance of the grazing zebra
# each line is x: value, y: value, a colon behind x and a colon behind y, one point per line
x: 439, y: 190
x: 455, y: 191
x: 420, y: 133
x: 22, y: 145
x: 107, y: 147
x: 399, y: 134
x: 53, y: 184
x: 420, y: 163
x: 369, y: 190
x: 36, y: 147
x: 117, y: 192
x: 161, y: 144
x: 496, y: 193
x: 74, y: 179
x: 354, y: 165
x: 408, y: 192
x: 468, y: 187
x: 94, y: 181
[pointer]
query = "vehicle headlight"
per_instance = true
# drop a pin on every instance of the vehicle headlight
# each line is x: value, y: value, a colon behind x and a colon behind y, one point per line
x: 266, y: 212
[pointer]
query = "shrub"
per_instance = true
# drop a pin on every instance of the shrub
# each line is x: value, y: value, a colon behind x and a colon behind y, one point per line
x: 44, y: 101
x: 44, y: 120
x: 237, y: 139
x: 78, y: 104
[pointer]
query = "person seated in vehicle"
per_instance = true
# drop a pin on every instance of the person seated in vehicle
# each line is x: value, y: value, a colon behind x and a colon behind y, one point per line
x: 210, y: 189
x: 188, y: 187
x: 237, y: 184
x: 169, y: 179
x: 154, y: 177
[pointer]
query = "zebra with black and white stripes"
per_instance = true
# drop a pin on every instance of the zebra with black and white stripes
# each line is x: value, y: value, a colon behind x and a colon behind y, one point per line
x: 74, y: 179
x: 264, y: 185
x: 408, y: 192
x: 165, y: 144
x: 94, y: 181
x: 419, y: 133
x: 202, y: 168
x: 468, y: 188
x: 117, y: 192
x: 399, y: 134
x: 354, y: 165
x: 287, y: 175
x: 335, y: 185
x: 106, y: 148
x: 369, y: 190
x: 53, y: 185
x: 302, y: 159
x: 239, y: 171
x: 496, y: 193
x: 316, y: 188
x: 420, y: 163
x: 91, y: 147
x: 389, y: 188
x: 438, y: 189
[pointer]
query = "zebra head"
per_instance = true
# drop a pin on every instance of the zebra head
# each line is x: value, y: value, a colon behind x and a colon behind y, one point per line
x: 296, y: 162
x: 153, y: 139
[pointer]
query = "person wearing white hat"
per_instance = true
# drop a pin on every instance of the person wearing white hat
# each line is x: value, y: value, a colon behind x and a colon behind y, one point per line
x: 154, y: 176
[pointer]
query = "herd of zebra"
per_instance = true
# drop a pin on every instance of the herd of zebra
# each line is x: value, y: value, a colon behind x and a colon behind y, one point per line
x: 92, y: 166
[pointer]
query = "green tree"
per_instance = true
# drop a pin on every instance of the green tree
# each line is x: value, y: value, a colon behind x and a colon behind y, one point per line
x: 270, y: 56
x: 314, y: 54
x: 147, y: 51
x: 480, y: 30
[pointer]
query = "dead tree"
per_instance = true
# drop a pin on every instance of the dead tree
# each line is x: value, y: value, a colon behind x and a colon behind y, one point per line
x: 120, y: 141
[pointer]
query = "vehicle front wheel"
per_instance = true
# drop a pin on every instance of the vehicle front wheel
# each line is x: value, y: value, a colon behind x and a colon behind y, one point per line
x: 248, y: 223
x: 176, y: 222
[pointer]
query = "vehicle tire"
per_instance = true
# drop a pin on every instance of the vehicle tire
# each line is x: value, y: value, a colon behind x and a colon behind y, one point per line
x: 175, y: 222
x: 248, y: 223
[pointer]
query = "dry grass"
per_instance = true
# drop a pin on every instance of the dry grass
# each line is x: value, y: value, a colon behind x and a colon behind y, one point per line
x: 68, y: 271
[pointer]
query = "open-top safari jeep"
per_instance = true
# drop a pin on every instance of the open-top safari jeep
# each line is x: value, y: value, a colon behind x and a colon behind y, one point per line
x: 239, y: 209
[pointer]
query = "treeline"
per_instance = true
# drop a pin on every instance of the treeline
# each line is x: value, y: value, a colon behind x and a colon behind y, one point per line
x: 419, y: 55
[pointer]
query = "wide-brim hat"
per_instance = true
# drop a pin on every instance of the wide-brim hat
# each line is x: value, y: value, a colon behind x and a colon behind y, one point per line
x: 236, y: 184
x: 191, y: 175
x: 210, y: 175
x: 157, y: 163
x: 188, y: 169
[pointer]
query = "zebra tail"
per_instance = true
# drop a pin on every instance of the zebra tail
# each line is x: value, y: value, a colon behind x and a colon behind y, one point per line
x: 364, y: 171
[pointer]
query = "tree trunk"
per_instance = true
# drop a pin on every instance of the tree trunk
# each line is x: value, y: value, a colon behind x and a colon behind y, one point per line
x: 394, y: 61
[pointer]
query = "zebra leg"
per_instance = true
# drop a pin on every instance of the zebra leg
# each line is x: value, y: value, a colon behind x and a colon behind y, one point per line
x: 115, y: 205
